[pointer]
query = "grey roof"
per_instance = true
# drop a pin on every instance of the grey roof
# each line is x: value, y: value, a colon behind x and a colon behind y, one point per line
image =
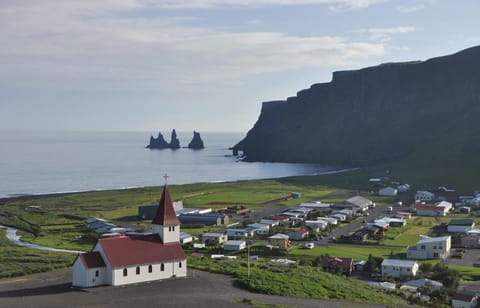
x: 418, y: 283
x: 359, y: 201
x: 426, y: 239
x: 279, y: 236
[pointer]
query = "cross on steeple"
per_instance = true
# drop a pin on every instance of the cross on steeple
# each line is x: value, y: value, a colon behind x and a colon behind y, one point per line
x: 165, y: 177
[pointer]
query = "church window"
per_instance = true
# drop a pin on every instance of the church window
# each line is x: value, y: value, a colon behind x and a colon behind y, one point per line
x: 173, y: 228
x: 180, y: 264
x: 169, y: 228
x: 97, y: 273
x: 138, y: 270
x: 149, y: 268
x: 125, y: 272
x: 162, y: 267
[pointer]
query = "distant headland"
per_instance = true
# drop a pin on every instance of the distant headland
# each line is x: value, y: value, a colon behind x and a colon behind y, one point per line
x: 161, y: 143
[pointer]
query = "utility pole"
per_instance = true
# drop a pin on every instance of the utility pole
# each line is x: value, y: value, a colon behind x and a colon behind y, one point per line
x: 248, y: 259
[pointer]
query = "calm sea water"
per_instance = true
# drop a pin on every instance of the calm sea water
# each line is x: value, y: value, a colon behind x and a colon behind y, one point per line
x: 50, y: 162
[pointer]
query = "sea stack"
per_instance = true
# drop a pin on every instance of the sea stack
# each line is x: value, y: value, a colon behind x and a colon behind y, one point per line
x: 197, y: 142
x: 158, y: 143
x: 174, y: 142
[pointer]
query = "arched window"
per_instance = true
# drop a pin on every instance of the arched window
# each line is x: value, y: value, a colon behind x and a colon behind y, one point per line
x: 173, y: 228
x: 125, y: 272
x: 97, y: 273
x: 150, y: 268
x: 138, y: 270
x: 169, y: 228
x: 162, y: 267
x: 180, y: 264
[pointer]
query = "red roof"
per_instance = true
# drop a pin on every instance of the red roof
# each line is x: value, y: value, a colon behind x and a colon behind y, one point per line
x: 165, y: 215
x: 92, y: 259
x: 332, y: 262
x: 143, y: 249
x: 279, y: 217
x: 463, y: 297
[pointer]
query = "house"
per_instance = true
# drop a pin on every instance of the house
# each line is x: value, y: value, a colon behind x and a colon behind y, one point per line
x: 445, y: 204
x: 185, y: 238
x: 299, y: 234
x: 90, y: 221
x: 470, y: 241
x: 240, y: 233
x: 260, y: 229
x: 234, y: 245
x: 269, y: 222
x: 359, y: 265
x: 443, y: 193
x: 126, y: 259
x: 424, y: 195
x: 422, y: 209
x: 339, y: 217
x: 464, y: 301
x: 295, y: 195
x: 471, y: 289
x: 279, y: 240
x: 393, y: 221
x: 334, y: 264
x: 399, y: 268
x: 329, y: 220
x: 403, y: 215
x: 403, y: 188
x: 282, y: 220
x: 460, y: 225
x: 316, y: 224
x: 388, y: 191
x: 414, y: 285
x: 430, y: 248
x: 213, y: 237
x: 359, y: 202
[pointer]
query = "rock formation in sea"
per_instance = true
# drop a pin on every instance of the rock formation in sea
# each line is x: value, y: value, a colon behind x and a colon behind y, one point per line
x: 158, y: 143
x: 174, y: 142
x: 161, y: 143
x: 197, y: 142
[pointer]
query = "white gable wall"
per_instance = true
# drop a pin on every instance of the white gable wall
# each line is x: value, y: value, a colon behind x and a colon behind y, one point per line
x: 87, y: 277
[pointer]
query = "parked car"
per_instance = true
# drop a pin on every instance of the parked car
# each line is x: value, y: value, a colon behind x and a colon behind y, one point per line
x: 308, y: 245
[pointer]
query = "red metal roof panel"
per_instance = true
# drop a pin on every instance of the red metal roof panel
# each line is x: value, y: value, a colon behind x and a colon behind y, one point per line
x: 92, y: 259
x: 142, y: 249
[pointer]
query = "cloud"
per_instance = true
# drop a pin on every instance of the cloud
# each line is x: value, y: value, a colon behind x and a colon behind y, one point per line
x: 416, y: 5
x: 73, y: 43
x: 385, y: 34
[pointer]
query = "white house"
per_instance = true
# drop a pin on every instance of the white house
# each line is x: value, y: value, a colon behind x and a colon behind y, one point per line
x: 359, y: 202
x: 214, y: 237
x: 329, y: 220
x: 269, y: 222
x: 239, y: 233
x: 424, y: 195
x: 399, y: 268
x: 445, y: 204
x: 430, y: 248
x: 388, y: 191
x: 127, y: 259
x: 235, y: 245
x: 460, y: 225
x: 260, y: 229
x: 464, y: 301
x: 316, y: 224
x: 339, y: 217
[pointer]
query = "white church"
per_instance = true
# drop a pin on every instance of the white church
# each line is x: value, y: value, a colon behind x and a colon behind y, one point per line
x: 126, y: 259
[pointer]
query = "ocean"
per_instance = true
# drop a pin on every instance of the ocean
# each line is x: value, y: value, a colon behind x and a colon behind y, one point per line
x: 54, y: 162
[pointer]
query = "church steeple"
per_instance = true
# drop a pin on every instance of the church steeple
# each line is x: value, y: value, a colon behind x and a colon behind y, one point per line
x: 165, y: 222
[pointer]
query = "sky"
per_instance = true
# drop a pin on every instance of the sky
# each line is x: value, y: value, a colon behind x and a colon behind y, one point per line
x: 205, y: 65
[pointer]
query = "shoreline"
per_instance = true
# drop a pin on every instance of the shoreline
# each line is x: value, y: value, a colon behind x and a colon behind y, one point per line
x: 66, y: 193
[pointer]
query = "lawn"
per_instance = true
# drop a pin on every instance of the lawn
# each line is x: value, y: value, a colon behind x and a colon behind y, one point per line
x: 348, y: 251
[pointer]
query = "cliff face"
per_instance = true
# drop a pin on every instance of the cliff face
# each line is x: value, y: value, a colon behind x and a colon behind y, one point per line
x: 418, y: 110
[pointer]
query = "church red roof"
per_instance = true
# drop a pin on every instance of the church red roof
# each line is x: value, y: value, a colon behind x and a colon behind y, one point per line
x: 165, y: 215
x: 92, y: 259
x: 142, y: 249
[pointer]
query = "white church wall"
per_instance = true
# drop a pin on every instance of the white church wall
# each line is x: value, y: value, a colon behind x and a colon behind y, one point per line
x: 168, y: 234
x: 170, y: 269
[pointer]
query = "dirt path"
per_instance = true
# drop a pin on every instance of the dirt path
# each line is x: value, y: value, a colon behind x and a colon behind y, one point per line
x: 200, y: 289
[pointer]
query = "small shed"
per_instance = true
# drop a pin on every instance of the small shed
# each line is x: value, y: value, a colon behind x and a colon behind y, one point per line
x: 235, y: 245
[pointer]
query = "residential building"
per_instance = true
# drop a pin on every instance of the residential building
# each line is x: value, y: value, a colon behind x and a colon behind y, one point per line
x: 185, y: 238
x: 414, y: 285
x: 239, y: 233
x: 279, y: 240
x: 460, y: 225
x: 359, y: 202
x: 234, y: 245
x: 422, y: 209
x: 399, y: 268
x: 387, y: 191
x: 464, y: 301
x: 423, y: 195
x: 214, y: 237
x: 126, y: 259
x: 334, y: 264
x: 470, y: 241
x: 316, y: 224
x: 298, y: 235
x: 430, y: 248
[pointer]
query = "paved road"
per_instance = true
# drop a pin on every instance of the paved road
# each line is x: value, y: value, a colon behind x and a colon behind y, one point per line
x: 200, y: 289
